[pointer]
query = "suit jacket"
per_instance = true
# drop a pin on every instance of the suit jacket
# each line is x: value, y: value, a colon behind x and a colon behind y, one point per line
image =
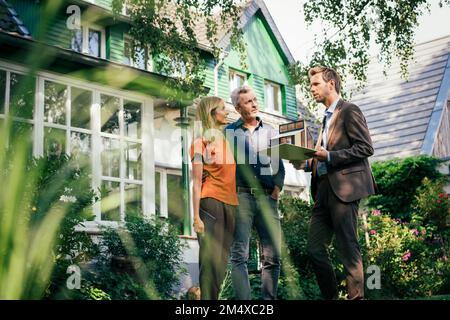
x: 349, y: 145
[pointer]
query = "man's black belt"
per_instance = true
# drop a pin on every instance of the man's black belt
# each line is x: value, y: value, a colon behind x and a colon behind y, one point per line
x: 254, y: 191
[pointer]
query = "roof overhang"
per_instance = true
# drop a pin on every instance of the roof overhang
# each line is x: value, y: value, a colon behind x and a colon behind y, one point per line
x: 39, y: 56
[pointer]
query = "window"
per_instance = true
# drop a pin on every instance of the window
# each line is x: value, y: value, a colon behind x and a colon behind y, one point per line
x: 272, y: 97
x: 140, y: 60
x: 21, y: 104
x: 66, y: 121
x: 89, y: 40
x: 101, y: 131
x: 169, y: 195
x: 121, y: 156
x: 237, y: 79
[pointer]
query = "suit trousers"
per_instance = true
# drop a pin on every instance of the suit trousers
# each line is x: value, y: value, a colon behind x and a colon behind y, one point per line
x: 331, y: 217
x: 215, y: 244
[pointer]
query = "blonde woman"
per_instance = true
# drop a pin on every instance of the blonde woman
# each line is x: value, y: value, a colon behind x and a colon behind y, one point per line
x: 214, y: 194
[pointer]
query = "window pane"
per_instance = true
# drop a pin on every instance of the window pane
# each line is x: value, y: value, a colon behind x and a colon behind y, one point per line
x: 140, y: 59
x: 133, y: 158
x: 272, y: 97
x: 127, y: 58
x: 22, y: 130
x: 175, y: 202
x: 81, y: 108
x: 236, y: 80
x: 110, y: 107
x: 269, y: 98
x: 55, y: 102
x: 132, y: 119
x: 231, y: 81
x: 54, y: 141
x: 111, y: 157
x: 2, y: 91
x: 276, y: 98
x: 80, y: 148
x: 22, y: 96
x: 77, y: 40
x: 133, y: 200
x: 157, y: 193
x: 94, y: 43
x: 240, y: 80
x: 110, y: 202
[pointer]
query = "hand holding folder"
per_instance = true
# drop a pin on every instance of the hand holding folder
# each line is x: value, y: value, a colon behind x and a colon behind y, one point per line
x: 289, y: 152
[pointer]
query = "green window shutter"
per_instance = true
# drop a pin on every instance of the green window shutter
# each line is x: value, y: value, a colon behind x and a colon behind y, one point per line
x: 223, y: 84
x: 114, y: 43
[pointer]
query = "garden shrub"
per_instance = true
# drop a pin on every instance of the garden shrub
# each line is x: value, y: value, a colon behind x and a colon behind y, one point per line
x: 397, y: 181
x: 295, y: 223
x: 431, y: 204
x: 409, y: 266
x: 412, y: 262
x: 63, y: 182
x: 142, y: 260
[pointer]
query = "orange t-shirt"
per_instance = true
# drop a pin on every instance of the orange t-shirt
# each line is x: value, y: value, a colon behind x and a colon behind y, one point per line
x: 218, y: 161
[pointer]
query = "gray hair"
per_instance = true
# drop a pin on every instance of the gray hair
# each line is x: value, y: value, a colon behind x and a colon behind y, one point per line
x: 237, y: 92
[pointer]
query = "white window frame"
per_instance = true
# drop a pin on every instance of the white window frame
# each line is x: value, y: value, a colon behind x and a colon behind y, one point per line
x: 270, y: 108
x: 148, y: 178
x: 85, y: 27
x: 149, y: 60
x: 233, y: 74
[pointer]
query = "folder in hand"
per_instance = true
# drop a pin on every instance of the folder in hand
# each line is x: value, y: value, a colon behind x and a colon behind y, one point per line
x: 289, y: 152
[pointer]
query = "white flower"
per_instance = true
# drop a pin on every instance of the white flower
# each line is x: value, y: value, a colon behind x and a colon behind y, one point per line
x: 65, y: 198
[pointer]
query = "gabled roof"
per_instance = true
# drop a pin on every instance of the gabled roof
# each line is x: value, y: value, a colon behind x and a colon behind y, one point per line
x: 10, y: 21
x: 404, y: 116
x: 248, y: 10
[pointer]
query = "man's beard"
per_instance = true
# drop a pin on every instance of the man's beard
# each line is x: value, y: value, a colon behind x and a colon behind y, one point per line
x: 320, y: 100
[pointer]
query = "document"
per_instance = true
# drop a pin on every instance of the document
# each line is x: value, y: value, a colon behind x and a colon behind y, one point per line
x: 289, y: 152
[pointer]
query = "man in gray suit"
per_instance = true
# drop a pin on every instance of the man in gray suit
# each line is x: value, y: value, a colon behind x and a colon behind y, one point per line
x: 341, y: 176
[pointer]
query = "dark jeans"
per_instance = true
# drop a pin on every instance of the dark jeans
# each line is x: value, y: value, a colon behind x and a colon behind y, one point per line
x: 215, y: 243
x: 262, y: 212
x: 331, y: 217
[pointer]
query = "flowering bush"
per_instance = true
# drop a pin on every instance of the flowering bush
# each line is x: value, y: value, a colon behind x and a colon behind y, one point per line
x: 432, y: 205
x: 409, y: 265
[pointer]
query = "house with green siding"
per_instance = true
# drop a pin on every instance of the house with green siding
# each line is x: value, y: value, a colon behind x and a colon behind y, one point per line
x: 90, y: 97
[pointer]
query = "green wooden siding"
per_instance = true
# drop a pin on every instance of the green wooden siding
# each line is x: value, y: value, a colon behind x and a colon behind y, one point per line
x: 58, y: 34
x: 264, y: 62
x: 264, y: 59
x: 29, y: 13
x: 209, y: 74
x: 291, y: 102
x: 223, y: 83
x: 257, y: 83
